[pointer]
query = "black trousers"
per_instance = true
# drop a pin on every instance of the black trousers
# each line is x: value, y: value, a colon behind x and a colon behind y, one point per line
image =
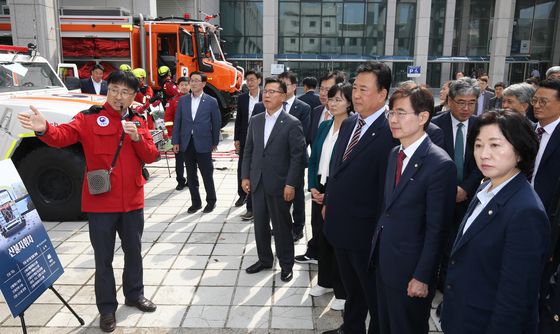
x: 401, y: 314
x: 240, y: 192
x: 298, y: 213
x: 103, y: 228
x: 180, y: 168
x: 361, y: 294
x: 202, y: 161
x: 269, y: 208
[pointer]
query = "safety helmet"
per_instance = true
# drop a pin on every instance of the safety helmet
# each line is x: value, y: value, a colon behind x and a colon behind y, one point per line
x: 139, y: 72
x: 163, y: 70
x: 125, y: 68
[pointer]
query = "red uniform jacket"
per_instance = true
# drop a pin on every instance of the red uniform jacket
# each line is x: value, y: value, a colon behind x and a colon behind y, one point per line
x: 169, y: 115
x: 143, y: 96
x: 99, y: 133
x: 170, y: 89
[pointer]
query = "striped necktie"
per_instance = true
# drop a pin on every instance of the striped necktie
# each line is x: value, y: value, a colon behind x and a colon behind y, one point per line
x: 355, y: 138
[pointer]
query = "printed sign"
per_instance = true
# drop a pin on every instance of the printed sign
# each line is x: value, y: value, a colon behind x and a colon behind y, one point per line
x: 28, y: 261
x: 413, y: 71
x: 276, y: 69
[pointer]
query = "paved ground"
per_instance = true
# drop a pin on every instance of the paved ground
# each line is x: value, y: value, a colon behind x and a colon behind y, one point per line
x: 193, y: 269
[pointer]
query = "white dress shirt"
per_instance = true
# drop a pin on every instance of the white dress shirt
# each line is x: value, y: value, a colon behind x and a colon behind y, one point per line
x: 269, y: 121
x: 195, y: 102
x: 326, y: 154
x: 484, y: 196
x: 252, y: 102
x: 465, y: 129
x: 289, y: 102
x: 369, y: 121
x: 548, y: 130
x: 97, y: 86
x: 409, y: 151
x: 323, y: 118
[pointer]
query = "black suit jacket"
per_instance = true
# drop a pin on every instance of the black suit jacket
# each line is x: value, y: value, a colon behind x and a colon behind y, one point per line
x: 310, y: 98
x: 299, y: 110
x: 471, y: 174
x: 87, y: 87
x: 495, y: 103
x: 354, y: 193
x: 316, y: 114
x: 242, y: 118
x: 548, y: 172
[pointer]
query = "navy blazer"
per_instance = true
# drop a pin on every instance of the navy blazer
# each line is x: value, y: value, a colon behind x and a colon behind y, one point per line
x: 471, y: 174
x: 436, y: 135
x: 316, y: 114
x: 311, y: 99
x: 242, y: 118
x: 495, y: 267
x: 416, y: 214
x: 354, y: 193
x: 87, y: 87
x: 205, y: 127
x: 548, y: 173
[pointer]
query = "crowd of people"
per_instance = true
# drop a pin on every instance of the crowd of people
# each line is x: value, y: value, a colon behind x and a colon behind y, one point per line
x: 407, y: 197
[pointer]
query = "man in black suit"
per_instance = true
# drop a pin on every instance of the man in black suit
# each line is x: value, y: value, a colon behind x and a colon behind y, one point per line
x: 496, y: 101
x: 309, y: 96
x: 354, y: 194
x: 245, y: 105
x: 462, y: 98
x: 95, y: 84
x: 301, y: 111
x: 483, y: 101
x: 271, y: 171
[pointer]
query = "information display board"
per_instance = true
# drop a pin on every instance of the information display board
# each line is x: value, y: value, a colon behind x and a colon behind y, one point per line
x: 28, y: 261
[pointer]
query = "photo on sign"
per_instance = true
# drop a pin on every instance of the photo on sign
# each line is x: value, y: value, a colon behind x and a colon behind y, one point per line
x: 28, y: 261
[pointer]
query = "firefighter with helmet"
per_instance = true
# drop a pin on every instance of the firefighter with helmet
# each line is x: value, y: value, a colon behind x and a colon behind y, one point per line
x: 125, y: 68
x: 144, y: 95
x: 169, y: 87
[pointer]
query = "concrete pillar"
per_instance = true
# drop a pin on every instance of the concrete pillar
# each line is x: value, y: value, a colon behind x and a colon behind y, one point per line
x: 464, y: 28
x: 270, y: 34
x: 555, y: 42
x: 36, y: 21
x: 390, y: 30
x: 503, y: 20
x: 449, y: 25
x: 422, y: 37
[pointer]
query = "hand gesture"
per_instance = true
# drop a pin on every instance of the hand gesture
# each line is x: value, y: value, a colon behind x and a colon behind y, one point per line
x: 33, y: 121
x: 131, y: 130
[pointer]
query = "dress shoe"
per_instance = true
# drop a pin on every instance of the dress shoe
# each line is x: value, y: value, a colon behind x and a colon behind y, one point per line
x: 297, y: 235
x: 180, y: 187
x: 240, y: 201
x: 306, y: 259
x: 335, y: 331
x: 286, y: 275
x: 107, y: 322
x: 209, y: 208
x: 318, y: 290
x: 142, y: 303
x: 338, y: 304
x: 255, y: 268
x: 194, y: 208
x: 247, y: 215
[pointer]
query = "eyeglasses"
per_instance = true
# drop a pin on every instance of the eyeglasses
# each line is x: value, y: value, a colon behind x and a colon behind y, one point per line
x: 462, y: 104
x: 401, y: 114
x: 195, y: 81
x: 124, y: 93
x: 271, y: 92
x: 336, y: 100
x: 541, y: 101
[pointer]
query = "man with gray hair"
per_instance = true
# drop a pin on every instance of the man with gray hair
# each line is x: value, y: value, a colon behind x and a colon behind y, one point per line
x: 463, y: 99
x: 553, y: 73
x: 517, y: 97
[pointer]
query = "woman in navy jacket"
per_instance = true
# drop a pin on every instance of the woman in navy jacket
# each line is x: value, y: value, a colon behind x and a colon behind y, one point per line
x: 498, y: 256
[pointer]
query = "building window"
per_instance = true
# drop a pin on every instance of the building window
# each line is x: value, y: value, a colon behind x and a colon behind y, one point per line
x: 312, y: 24
x: 292, y: 40
x: 312, y: 41
x: 242, y: 27
x: 327, y: 24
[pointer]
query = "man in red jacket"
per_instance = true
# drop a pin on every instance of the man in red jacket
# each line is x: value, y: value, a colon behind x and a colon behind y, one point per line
x: 169, y: 117
x: 99, y: 130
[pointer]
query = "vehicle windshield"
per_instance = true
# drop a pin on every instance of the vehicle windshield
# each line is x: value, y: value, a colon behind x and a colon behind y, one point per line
x: 215, y: 46
x: 23, y: 76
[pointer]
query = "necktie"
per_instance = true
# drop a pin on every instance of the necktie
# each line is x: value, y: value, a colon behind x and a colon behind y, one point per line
x: 540, y: 131
x: 355, y: 138
x: 459, y: 151
x: 400, y: 159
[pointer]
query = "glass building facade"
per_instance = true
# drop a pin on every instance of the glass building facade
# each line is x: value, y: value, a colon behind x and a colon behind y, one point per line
x: 317, y: 36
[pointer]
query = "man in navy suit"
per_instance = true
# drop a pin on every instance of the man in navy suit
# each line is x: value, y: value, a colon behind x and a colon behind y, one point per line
x: 95, y: 84
x: 462, y: 99
x: 196, y: 133
x: 245, y: 106
x: 354, y: 194
x: 309, y: 96
x: 418, y: 204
